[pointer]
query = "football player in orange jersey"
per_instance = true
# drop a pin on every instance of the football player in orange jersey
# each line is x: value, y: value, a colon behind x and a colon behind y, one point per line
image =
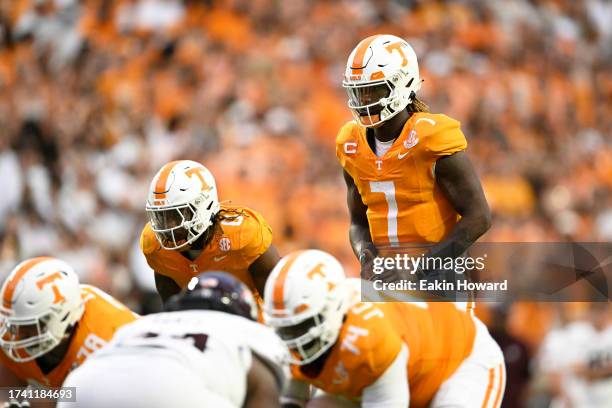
x: 190, y: 232
x: 409, y: 179
x: 49, y: 323
x: 376, y: 355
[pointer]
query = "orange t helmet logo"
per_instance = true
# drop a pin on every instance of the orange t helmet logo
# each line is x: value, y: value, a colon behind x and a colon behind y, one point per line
x: 49, y: 280
x: 198, y: 172
x: 398, y: 46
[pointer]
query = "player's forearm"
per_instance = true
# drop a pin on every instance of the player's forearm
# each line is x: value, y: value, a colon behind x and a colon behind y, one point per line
x: 263, y: 387
x: 359, y: 231
x: 166, y: 287
x: 260, y: 269
x: 464, y: 234
x: 459, y: 182
x: 361, y: 241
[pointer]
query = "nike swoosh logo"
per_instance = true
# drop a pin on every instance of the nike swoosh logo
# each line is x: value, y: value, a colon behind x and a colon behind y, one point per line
x: 219, y: 258
x: 401, y: 156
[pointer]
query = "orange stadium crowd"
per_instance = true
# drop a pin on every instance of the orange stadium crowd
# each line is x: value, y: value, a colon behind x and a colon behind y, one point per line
x: 96, y: 95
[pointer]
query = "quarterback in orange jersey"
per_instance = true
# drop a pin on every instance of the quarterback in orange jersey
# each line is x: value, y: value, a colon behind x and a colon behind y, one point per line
x: 49, y: 323
x: 190, y: 232
x: 376, y: 355
x: 409, y: 180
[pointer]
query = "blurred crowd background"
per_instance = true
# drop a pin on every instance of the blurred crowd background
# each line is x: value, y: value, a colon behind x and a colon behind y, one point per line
x: 96, y: 95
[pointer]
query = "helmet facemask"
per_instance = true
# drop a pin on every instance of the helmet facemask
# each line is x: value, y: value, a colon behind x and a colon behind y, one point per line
x: 313, y: 335
x: 25, y: 339
x: 304, y: 339
x: 177, y: 226
x: 375, y: 102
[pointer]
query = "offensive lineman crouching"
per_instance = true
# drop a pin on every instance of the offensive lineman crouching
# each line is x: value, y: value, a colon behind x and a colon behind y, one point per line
x: 50, y: 324
x: 376, y: 355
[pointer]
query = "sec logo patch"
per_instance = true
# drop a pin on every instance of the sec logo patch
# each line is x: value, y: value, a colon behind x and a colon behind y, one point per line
x: 225, y: 244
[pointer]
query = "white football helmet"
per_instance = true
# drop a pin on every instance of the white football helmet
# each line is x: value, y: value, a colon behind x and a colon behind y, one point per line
x: 305, y: 300
x: 181, y: 203
x: 41, y: 300
x: 381, y: 78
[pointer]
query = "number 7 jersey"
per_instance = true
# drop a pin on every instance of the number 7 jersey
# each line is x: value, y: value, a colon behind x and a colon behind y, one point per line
x: 405, y: 205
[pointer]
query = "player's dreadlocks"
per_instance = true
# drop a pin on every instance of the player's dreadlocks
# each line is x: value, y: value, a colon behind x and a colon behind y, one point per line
x: 417, y: 105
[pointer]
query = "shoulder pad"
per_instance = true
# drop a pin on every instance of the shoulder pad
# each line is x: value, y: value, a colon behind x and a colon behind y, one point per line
x: 347, y: 132
x: 148, y: 241
x: 369, y: 341
x: 245, y: 228
x: 439, y: 134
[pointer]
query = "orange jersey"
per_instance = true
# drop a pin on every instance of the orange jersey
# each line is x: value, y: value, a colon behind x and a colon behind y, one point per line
x: 405, y: 205
x: 103, y: 315
x: 243, y: 237
x: 438, y: 336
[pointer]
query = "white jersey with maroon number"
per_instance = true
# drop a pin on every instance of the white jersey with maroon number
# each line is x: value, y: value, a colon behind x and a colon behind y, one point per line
x: 216, y: 348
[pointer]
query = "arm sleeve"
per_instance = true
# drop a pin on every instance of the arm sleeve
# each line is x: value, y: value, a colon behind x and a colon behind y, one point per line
x: 391, y: 389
